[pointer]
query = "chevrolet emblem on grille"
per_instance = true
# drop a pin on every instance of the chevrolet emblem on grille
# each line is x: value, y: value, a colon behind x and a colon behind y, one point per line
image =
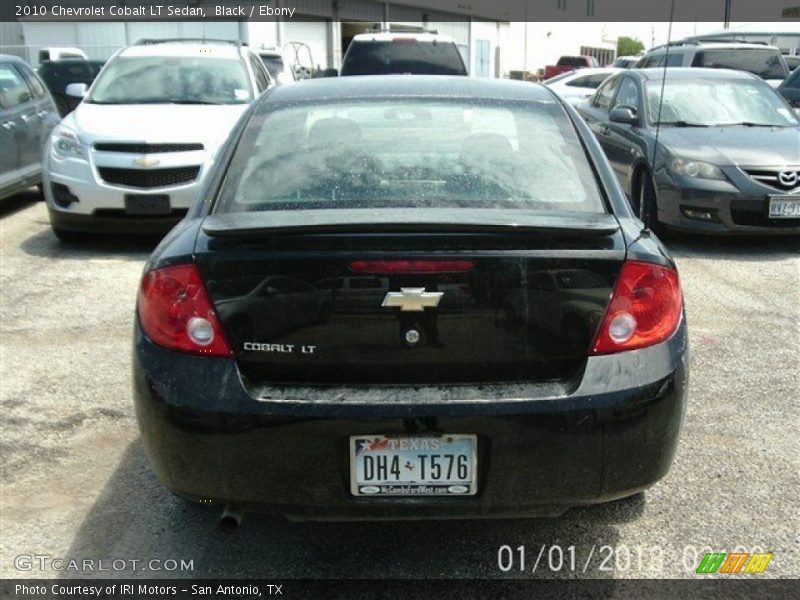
x: 146, y: 162
x: 412, y: 299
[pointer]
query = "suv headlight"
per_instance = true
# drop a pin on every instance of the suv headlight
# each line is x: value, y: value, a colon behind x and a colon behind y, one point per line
x: 696, y: 169
x: 66, y: 143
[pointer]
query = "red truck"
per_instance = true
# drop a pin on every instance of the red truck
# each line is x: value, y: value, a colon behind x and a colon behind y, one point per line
x: 569, y: 63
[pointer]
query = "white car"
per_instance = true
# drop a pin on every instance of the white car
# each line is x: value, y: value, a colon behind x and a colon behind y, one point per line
x: 134, y: 153
x: 579, y: 85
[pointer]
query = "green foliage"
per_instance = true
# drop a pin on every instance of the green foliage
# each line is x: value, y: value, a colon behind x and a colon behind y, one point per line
x: 627, y: 46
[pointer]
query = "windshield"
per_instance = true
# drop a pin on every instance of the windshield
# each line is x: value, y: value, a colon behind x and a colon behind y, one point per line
x: 765, y: 63
x: 410, y: 154
x: 403, y: 55
x: 173, y: 79
x: 572, y: 61
x: 709, y: 102
x: 274, y: 64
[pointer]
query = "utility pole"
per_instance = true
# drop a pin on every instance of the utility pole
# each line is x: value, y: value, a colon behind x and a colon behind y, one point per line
x: 525, y: 56
x: 727, y: 13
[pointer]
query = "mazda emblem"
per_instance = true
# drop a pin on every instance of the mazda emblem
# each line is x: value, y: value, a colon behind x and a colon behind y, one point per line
x: 788, y: 178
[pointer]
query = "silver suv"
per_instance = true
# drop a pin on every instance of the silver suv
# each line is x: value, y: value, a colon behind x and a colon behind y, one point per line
x: 765, y: 61
x: 133, y: 154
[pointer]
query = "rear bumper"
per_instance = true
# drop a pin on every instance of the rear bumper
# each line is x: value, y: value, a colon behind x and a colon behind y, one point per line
x: 208, y: 439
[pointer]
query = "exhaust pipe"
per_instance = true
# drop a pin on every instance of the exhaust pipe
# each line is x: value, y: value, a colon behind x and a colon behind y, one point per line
x: 231, y: 518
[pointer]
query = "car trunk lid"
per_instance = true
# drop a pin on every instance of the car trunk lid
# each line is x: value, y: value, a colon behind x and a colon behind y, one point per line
x: 409, y: 296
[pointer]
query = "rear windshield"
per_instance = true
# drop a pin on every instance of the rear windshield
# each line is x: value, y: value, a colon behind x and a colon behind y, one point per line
x: 403, y: 56
x: 571, y: 61
x: 410, y: 154
x: 765, y: 63
x: 274, y: 64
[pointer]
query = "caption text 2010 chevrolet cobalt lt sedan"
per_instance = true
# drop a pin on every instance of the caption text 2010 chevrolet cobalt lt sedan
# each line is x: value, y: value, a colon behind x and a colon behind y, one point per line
x: 410, y: 297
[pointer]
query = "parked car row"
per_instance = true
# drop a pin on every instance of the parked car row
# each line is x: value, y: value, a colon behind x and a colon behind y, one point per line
x: 135, y: 166
x: 346, y: 238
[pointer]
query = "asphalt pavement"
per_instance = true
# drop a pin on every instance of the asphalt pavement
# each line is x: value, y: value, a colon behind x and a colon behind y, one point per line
x: 76, y: 483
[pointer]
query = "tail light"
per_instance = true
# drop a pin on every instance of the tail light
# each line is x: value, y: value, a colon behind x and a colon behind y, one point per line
x: 411, y: 266
x: 645, y: 309
x: 175, y: 312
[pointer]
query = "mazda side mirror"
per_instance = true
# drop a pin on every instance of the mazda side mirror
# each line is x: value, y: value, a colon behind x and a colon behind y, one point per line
x: 624, y: 114
x: 76, y: 90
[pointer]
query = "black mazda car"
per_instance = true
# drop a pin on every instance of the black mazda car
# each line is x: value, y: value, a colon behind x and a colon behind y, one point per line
x: 404, y: 297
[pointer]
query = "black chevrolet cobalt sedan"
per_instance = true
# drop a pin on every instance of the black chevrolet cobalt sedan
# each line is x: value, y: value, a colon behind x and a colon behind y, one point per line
x: 404, y: 297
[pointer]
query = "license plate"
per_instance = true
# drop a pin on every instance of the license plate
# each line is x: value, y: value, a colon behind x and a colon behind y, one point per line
x: 147, y: 204
x: 784, y: 207
x: 409, y: 465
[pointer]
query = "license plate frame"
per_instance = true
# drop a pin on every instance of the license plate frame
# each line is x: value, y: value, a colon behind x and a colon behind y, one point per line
x: 401, y: 445
x: 779, y: 204
x: 147, y: 204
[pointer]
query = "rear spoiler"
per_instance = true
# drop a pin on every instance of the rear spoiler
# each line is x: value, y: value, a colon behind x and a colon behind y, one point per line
x: 392, y: 220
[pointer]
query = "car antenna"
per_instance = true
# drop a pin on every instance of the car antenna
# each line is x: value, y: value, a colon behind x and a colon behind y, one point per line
x: 646, y: 230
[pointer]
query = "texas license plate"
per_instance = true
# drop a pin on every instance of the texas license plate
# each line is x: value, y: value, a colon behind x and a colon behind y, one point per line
x: 784, y: 207
x: 409, y: 465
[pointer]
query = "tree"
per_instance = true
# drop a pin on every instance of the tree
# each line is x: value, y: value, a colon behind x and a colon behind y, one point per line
x: 627, y: 46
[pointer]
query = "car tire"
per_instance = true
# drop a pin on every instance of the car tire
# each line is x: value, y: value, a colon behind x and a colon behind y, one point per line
x: 647, y: 203
x: 70, y: 237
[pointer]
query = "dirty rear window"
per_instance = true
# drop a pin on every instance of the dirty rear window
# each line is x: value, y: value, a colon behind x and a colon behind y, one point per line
x: 410, y: 154
x: 403, y: 55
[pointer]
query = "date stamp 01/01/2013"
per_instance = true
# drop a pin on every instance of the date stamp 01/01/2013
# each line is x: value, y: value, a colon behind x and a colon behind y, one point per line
x: 600, y: 558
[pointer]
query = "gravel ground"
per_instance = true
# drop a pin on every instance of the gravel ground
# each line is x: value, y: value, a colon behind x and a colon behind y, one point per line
x: 76, y: 484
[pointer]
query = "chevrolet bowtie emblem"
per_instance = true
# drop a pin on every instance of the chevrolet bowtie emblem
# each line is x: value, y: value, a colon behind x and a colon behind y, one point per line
x: 146, y: 162
x: 412, y: 299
